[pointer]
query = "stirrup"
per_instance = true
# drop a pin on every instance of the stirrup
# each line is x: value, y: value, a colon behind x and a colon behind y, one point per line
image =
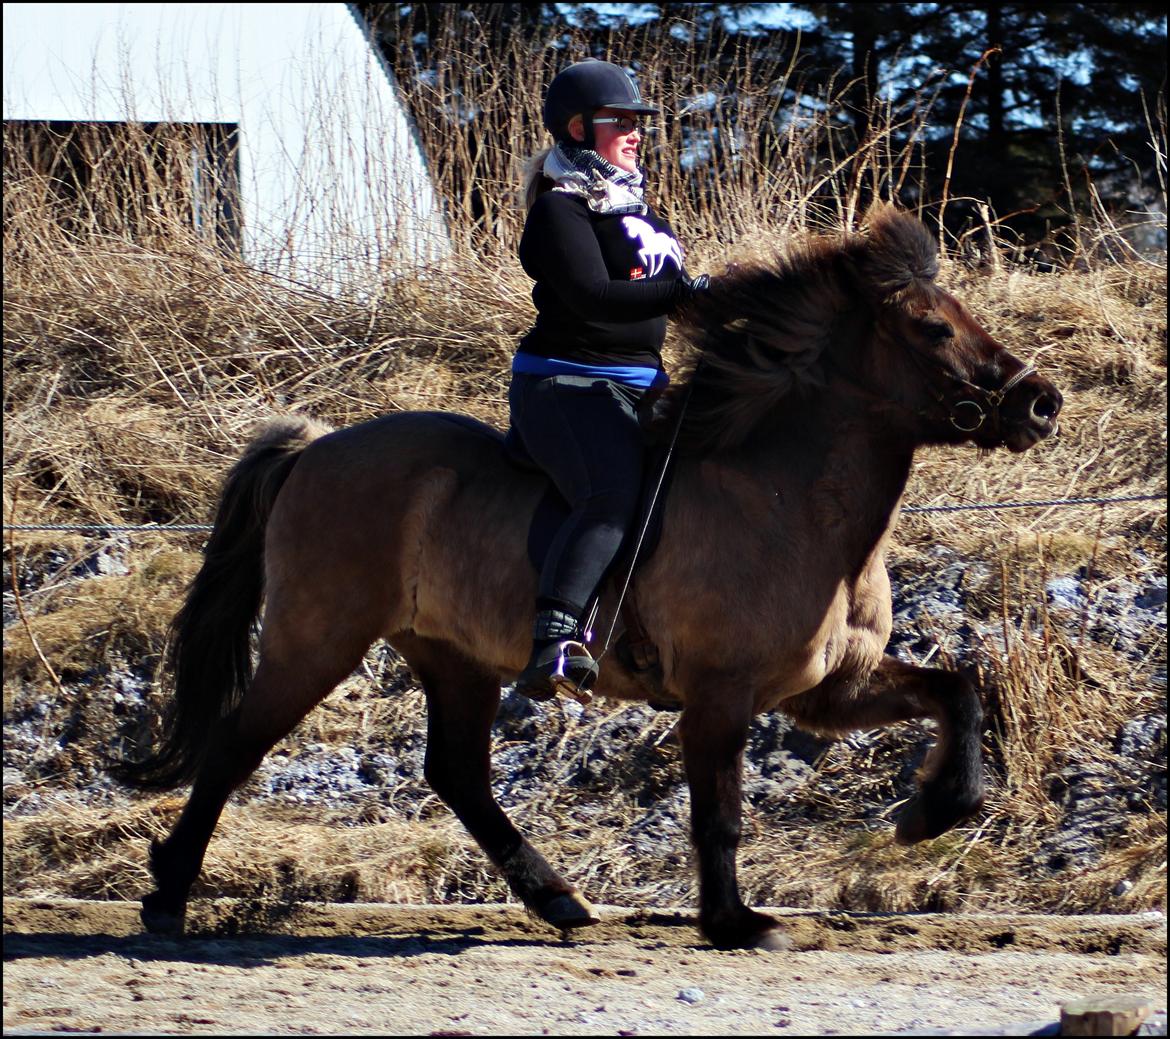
x: 561, y: 667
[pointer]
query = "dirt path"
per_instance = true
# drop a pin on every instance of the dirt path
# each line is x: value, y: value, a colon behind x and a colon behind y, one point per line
x: 469, y: 970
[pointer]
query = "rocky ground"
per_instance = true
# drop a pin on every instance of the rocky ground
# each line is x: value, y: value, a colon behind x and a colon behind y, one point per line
x: 84, y: 967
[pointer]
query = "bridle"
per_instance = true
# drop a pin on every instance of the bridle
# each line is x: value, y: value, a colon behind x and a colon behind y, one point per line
x: 967, y: 414
x: 974, y: 404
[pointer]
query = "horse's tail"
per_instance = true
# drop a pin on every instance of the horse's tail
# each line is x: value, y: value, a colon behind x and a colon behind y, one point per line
x: 210, y: 652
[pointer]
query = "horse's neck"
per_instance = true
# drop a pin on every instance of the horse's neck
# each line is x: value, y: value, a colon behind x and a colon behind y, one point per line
x: 838, y: 464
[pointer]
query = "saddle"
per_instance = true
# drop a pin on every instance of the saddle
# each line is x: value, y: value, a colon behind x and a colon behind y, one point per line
x: 634, y: 648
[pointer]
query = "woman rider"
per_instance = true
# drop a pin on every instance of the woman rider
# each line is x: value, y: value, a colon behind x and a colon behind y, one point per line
x: 607, y: 272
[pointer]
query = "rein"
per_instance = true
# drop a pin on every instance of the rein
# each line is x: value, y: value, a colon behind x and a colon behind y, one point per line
x: 617, y: 610
x: 957, y: 415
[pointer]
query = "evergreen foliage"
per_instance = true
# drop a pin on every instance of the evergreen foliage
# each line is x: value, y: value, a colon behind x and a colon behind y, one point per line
x: 1055, y: 105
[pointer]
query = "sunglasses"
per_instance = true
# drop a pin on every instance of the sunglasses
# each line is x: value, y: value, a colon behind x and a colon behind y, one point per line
x: 624, y: 123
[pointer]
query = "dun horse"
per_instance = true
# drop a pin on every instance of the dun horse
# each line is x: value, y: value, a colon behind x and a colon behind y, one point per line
x: 823, y: 372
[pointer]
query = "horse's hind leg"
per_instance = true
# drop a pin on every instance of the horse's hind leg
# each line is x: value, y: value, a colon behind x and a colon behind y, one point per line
x: 951, y: 779
x: 279, y: 696
x: 462, y: 699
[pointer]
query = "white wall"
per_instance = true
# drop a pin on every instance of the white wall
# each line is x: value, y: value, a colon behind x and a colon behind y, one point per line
x: 333, y: 183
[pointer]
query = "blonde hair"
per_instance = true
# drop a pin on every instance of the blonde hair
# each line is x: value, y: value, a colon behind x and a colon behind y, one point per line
x: 535, y: 183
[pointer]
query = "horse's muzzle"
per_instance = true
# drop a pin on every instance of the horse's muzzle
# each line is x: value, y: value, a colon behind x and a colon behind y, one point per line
x: 1030, y: 413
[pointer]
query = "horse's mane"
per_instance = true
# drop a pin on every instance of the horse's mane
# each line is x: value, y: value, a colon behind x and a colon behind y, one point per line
x: 763, y: 330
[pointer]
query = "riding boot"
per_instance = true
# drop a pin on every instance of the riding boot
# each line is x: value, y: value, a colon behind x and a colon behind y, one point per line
x: 559, y: 662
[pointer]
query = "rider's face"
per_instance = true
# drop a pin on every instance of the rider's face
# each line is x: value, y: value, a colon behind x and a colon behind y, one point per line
x: 616, y: 142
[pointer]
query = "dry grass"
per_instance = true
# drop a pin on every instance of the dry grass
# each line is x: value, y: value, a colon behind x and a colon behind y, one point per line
x: 135, y: 369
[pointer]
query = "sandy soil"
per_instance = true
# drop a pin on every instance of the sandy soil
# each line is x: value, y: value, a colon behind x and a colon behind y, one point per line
x: 477, y: 970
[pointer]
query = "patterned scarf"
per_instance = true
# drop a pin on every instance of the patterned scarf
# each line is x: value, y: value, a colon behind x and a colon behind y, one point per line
x: 581, y: 171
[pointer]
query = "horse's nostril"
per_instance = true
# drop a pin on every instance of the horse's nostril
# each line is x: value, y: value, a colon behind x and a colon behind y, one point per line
x: 1046, y: 406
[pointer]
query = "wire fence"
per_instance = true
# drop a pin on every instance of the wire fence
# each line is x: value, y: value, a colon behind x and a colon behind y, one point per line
x: 1033, y: 504
x: 160, y: 528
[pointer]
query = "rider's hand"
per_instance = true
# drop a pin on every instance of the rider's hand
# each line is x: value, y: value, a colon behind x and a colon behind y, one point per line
x: 693, y: 287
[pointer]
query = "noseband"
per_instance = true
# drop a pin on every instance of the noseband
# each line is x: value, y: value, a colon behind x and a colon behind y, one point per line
x: 967, y: 414
x: 969, y: 406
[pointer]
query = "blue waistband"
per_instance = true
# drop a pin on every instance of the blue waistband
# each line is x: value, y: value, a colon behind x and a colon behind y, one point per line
x: 631, y: 375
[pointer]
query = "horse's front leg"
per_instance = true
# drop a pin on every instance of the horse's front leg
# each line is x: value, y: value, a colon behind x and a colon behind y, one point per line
x: 951, y: 779
x: 951, y: 787
x: 714, y: 732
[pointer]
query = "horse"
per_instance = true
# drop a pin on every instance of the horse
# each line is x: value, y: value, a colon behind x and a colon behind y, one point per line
x: 821, y: 371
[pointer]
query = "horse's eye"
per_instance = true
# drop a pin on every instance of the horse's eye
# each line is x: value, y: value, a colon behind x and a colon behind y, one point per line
x: 937, y: 329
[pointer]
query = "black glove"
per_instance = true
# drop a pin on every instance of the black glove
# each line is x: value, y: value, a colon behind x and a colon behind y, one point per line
x: 692, y: 287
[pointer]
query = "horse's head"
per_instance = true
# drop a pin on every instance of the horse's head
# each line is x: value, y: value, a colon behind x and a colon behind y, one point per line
x: 930, y: 356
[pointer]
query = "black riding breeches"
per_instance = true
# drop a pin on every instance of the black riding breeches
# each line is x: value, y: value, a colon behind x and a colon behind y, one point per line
x: 586, y: 435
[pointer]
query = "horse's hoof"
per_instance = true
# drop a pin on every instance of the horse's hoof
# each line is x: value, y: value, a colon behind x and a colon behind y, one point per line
x: 911, y: 826
x: 569, y: 911
x: 746, y: 929
x: 160, y: 920
x: 774, y: 940
x: 925, y: 818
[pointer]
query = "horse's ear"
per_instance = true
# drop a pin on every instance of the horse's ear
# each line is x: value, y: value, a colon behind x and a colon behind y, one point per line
x: 896, y: 256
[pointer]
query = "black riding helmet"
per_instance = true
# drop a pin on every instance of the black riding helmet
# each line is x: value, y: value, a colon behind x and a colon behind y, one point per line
x: 582, y: 89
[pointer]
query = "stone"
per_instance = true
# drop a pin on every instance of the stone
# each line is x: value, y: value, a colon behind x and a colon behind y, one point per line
x: 1105, y: 1015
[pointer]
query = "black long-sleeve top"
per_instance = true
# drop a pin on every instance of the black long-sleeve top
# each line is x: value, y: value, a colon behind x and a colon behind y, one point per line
x: 604, y: 282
